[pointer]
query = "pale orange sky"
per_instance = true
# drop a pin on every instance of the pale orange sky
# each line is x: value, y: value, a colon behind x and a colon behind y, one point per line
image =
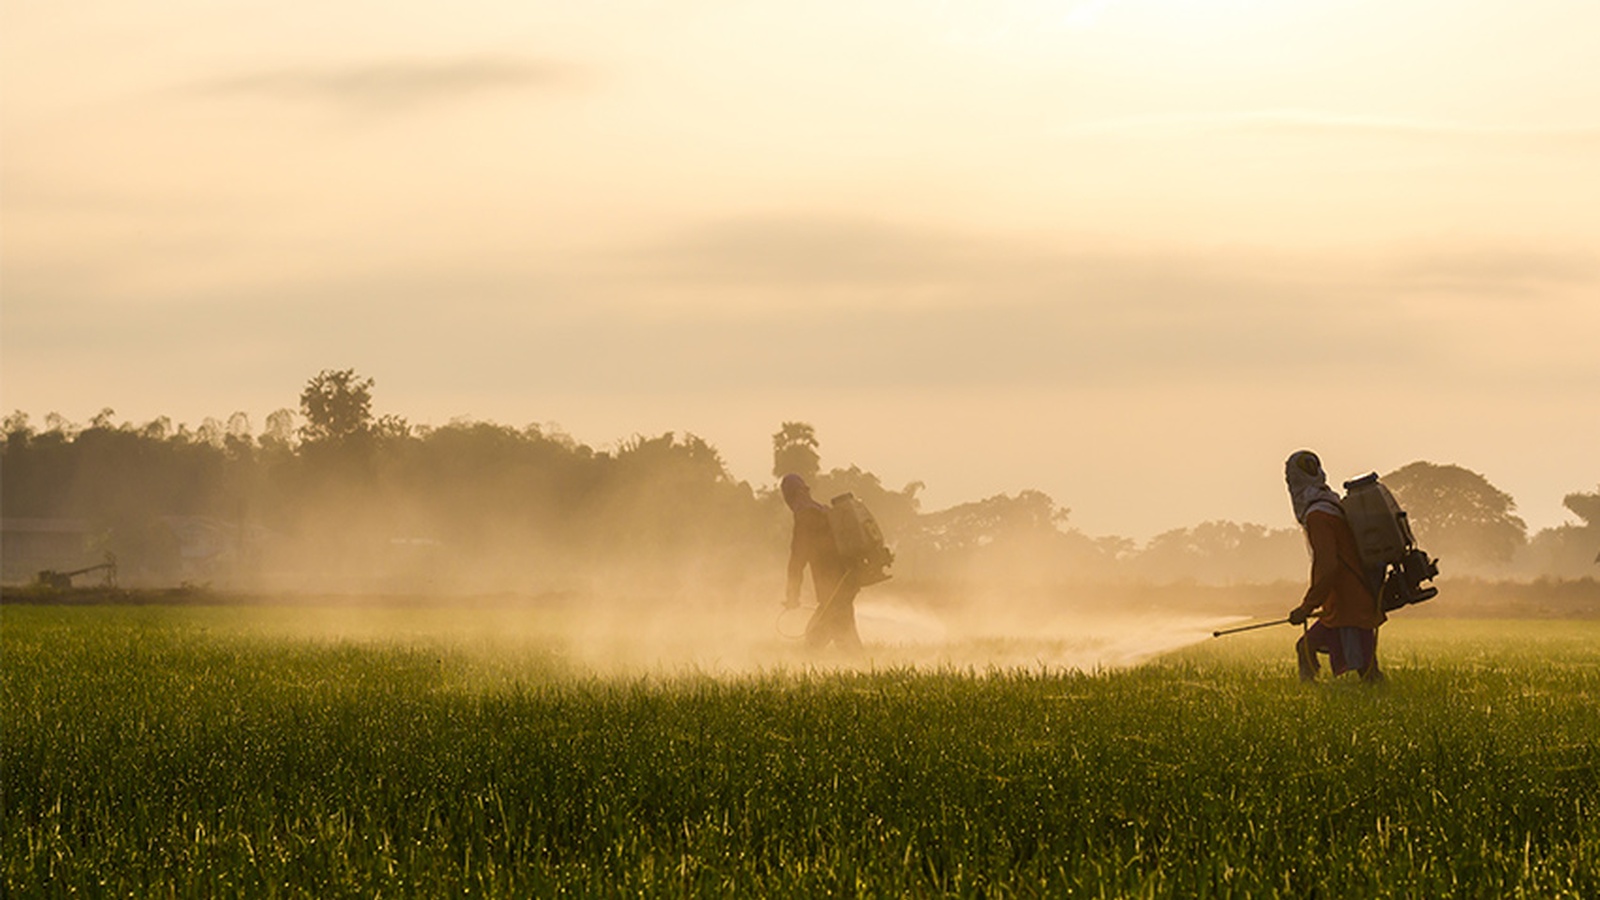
x: 1128, y: 252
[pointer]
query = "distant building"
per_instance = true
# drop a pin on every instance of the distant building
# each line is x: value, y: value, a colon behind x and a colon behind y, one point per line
x: 209, y: 547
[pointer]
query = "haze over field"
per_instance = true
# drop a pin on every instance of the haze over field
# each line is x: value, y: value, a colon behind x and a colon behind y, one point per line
x: 1128, y: 252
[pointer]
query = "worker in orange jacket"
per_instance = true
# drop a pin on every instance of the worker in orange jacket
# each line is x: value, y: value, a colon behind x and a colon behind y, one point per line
x: 1347, y: 611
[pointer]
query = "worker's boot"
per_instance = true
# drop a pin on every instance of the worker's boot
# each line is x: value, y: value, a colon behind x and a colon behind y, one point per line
x: 1307, y: 658
x: 1372, y: 674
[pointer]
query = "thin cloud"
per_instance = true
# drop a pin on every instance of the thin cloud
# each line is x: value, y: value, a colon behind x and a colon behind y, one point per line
x: 1507, y: 272
x: 1291, y: 122
x: 1007, y: 315
x: 394, y: 84
x: 810, y: 255
x: 913, y: 304
x: 806, y: 250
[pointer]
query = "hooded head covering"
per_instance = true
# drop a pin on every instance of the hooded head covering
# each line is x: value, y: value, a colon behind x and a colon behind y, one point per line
x: 796, y: 492
x: 1308, y: 486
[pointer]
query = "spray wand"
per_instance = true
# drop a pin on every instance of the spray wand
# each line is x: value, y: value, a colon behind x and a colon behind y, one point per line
x: 1249, y: 627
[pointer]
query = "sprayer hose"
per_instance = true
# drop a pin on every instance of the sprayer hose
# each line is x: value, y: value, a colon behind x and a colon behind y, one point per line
x: 783, y: 613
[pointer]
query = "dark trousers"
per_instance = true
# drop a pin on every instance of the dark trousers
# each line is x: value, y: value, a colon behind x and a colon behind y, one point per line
x: 1347, y: 649
x: 835, y: 618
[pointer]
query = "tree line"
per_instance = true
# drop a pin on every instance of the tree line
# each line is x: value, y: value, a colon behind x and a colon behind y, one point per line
x: 330, y: 496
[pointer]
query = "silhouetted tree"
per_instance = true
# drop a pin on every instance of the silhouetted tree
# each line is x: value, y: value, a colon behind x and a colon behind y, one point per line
x: 469, y: 478
x: 1002, y: 540
x: 59, y: 424
x: 211, y: 432
x: 1223, y: 552
x: 982, y: 522
x: 16, y: 429
x: 238, y: 439
x: 1585, y: 506
x: 794, y: 449
x: 896, y: 511
x: 525, y: 508
x: 280, y: 432
x: 666, y: 508
x: 1456, y: 514
x: 337, y: 405
x: 1570, y: 550
x: 391, y: 428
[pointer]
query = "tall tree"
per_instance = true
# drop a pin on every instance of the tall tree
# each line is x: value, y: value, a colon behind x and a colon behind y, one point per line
x: 1222, y: 552
x: 337, y: 405
x: 280, y: 432
x: 1586, y: 507
x: 970, y: 526
x: 1456, y: 514
x: 794, y: 449
x: 896, y: 511
x: 16, y: 428
x: 1003, y: 540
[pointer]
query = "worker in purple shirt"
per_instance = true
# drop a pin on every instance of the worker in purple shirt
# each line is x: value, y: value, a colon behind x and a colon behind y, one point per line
x: 835, y: 584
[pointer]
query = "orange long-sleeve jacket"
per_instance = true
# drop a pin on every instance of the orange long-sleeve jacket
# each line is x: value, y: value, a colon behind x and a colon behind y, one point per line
x: 1338, y: 593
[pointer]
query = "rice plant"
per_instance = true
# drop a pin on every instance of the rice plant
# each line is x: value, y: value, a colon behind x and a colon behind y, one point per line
x: 179, y: 752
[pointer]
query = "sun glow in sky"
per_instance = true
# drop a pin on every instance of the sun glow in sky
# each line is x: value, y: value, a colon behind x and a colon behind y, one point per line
x: 1128, y: 252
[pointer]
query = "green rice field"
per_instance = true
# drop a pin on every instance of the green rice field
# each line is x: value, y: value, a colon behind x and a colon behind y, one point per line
x: 167, y: 751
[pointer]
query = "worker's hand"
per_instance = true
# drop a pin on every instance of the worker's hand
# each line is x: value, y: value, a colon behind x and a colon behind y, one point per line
x: 1298, y: 616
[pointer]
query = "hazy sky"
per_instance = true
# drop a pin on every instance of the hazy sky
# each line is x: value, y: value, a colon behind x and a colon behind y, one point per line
x: 1129, y: 252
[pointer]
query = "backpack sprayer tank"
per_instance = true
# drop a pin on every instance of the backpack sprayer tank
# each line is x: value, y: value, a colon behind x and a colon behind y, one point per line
x: 859, y: 539
x: 1394, y: 562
